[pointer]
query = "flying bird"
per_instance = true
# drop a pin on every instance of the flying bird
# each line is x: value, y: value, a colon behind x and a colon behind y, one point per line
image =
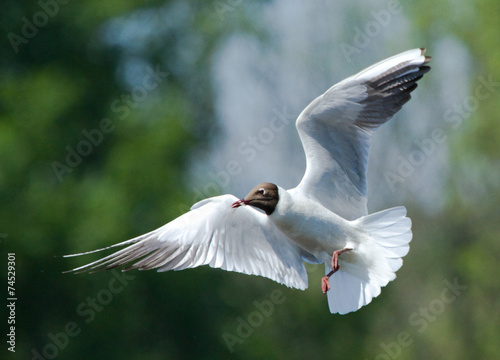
x: 272, y: 231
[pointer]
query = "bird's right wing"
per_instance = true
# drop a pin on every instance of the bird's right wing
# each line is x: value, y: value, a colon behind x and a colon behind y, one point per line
x: 213, y: 233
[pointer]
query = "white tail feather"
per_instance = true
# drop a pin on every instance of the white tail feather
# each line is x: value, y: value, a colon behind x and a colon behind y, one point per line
x: 373, y: 263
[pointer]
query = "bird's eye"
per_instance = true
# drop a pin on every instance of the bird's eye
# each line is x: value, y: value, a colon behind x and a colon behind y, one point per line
x: 261, y: 191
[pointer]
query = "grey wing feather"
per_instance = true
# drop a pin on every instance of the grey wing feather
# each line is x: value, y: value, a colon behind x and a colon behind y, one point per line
x: 336, y: 128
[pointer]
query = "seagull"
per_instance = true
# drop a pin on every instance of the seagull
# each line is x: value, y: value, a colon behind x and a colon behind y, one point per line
x: 324, y: 219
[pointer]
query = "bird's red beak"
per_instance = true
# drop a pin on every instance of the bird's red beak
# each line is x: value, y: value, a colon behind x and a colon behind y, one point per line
x: 239, y: 203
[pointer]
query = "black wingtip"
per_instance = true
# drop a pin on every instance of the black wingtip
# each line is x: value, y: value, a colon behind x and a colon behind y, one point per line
x: 427, y: 58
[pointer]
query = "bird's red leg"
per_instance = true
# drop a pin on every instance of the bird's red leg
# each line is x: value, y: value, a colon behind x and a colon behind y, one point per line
x: 325, y: 284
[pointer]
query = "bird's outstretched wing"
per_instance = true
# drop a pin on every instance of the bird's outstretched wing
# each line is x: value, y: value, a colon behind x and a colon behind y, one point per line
x: 336, y: 128
x: 212, y: 233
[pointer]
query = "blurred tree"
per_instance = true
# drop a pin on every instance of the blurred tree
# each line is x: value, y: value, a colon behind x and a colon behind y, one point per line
x: 101, y: 104
x: 465, y: 237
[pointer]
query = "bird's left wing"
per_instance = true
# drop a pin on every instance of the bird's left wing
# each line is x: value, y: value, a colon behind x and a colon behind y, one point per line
x: 336, y: 130
x: 212, y: 233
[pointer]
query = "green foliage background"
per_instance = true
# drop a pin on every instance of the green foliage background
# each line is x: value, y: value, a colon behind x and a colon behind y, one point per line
x: 65, y: 79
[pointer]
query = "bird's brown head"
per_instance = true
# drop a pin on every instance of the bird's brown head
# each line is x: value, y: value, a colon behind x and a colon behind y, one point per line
x: 264, y: 196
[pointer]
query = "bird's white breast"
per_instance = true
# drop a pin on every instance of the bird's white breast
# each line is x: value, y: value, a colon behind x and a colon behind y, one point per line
x: 312, y: 226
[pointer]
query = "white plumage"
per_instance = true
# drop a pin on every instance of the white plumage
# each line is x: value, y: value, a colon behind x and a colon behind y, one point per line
x: 325, y: 213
